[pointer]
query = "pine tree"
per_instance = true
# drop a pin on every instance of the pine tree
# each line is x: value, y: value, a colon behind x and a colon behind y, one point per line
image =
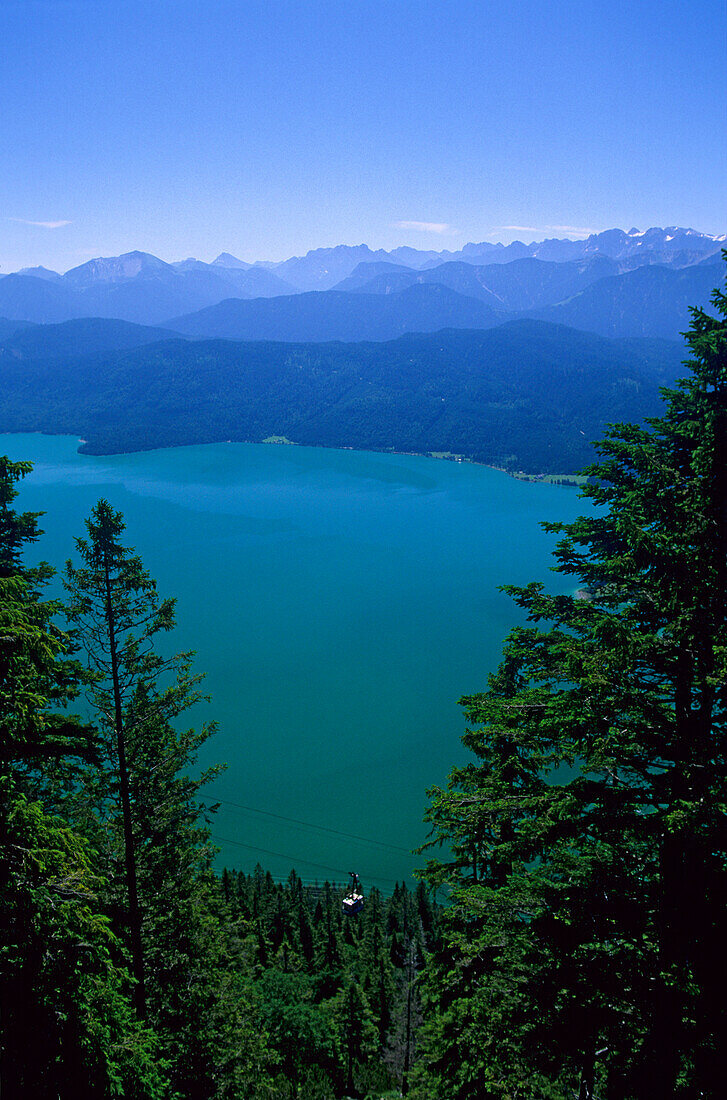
x: 191, y: 967
x: 66, y: 1028
x: 38, y: 678
x: 583, y: 947
x: 113, y: 605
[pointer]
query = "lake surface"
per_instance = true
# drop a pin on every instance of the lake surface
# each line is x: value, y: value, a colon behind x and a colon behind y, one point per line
x: 339, y: 602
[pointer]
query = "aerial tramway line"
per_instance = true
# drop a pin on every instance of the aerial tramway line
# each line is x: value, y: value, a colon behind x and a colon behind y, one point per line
x: 353, y: 900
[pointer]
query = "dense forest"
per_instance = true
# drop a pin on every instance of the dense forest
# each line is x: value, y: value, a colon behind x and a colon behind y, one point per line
x: 580, y: 854
x: 525, y: 396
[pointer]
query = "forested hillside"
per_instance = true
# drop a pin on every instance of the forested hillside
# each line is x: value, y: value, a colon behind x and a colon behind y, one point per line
x: 525, y: 396
x: 580, y: 854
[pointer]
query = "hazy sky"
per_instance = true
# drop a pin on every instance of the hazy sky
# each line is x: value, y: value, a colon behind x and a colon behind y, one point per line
x: 183, y: 127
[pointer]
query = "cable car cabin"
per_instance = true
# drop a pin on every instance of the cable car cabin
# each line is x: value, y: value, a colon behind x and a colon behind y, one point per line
x: 353, y: 901
x: 352, y: 904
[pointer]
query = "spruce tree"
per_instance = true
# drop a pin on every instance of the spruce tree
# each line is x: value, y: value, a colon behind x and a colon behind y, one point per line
x: 583, y: 948
x: 143, y: 804
x: 114, y: 607
x: 66, y: 1028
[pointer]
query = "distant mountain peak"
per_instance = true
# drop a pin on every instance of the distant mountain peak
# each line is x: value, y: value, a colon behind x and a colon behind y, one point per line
x: 226, y: 259
x: 39, y: 273
x: 112, y: 269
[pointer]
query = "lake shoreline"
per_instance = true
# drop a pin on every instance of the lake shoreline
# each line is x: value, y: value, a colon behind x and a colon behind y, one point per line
x: 564, y: 479
x: 567, y: 480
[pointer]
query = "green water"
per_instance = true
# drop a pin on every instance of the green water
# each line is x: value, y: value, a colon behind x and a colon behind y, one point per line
x: 339, y: 602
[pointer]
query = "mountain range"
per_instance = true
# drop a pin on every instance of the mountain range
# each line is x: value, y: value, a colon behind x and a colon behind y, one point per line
x: 518, y: 361
x: 515, y: 278
x: 323, y: 268
x: 134, y: 287
x: 649, y: 301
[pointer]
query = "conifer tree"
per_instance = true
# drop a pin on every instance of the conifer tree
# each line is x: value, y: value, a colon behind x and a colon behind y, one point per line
x: 583, y: 948
x: 66, y: 1028
x: 115, y: 609
x: 190, y: 965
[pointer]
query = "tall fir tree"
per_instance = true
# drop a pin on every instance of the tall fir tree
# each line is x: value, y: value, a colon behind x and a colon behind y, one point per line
x: 114, y: 607
x: 66, y: 1028
x: 190, y: 964
x: 583, y: 948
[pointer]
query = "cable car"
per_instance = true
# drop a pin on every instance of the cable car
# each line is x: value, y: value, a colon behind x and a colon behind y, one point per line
x: 353, y: 901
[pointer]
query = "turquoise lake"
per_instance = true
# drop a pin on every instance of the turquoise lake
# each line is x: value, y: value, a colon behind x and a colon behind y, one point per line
x: 339, y: 602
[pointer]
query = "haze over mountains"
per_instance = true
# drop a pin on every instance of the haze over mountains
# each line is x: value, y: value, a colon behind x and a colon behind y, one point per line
x: 513, y: 279
x: 389, y: 351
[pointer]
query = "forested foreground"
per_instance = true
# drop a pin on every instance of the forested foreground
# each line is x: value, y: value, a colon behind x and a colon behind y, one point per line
x: 580, y: 948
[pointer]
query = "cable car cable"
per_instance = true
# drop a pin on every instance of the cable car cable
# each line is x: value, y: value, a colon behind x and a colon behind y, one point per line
x: 308, y: 862
x: 309, y: 825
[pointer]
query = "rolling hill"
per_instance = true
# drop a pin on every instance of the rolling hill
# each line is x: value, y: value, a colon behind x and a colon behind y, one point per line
x: 527, y: 395
x: 336, y: 315
x: 74, y: 339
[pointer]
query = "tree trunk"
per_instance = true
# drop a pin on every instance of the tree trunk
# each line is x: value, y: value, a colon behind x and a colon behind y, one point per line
x: 137, y: 955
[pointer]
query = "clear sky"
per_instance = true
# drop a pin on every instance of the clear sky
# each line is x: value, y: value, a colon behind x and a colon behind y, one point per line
x: 183, y: 127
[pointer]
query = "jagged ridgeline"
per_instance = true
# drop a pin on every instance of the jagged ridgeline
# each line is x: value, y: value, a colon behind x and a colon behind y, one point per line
x: 514, y: 356
x: 485, y: 283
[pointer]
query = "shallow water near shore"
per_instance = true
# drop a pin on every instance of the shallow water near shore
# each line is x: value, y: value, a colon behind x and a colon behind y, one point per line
x: 339, y: 602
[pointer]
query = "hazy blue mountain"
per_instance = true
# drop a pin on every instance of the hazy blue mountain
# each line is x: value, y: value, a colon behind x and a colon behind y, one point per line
x: 413, y: 257
x: 71, y: 339
x: 674, y: 246
x: 482, y: 253
x: 117, y: 269
x: 255, y: 282
x: 244, y: 280
x: 28, y: 298
x: 650, y: 301
x: 516, y: 286
x: 140, y: 287
x: 225, y: 259
x: 365, y: 273
x: 526, y: 395
x: 619, y: 245
x: 322, y: 268
x: 335, y: 315
x: 10, y: 328
x: 143, y: 289
x: 136, y: 287
x: 40, y: 273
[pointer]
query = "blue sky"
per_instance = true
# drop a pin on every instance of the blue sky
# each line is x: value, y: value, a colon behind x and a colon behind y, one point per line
x: 268, y: 128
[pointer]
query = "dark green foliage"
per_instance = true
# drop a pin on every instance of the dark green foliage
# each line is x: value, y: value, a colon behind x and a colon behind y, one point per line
x: 143, y: 806
x: 338, y: 1012
x: 37, y: 678
x: 583, y: 949
x: 250, y: 989
x: 524, y: 396
x: 581, y: 952
x: 66, y: 1024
